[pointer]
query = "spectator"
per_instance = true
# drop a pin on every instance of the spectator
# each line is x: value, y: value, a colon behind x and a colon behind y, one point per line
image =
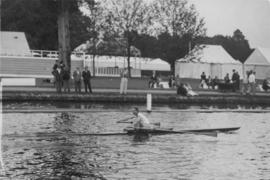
x: 66, y: 78
x: 57, y: 73
x: 266, y: 84
x: 177, y: 81
x: 61, y: 64
x: 190, y: 92
x: 181, y: 90
x: 203, y: 80
x: 86, y: 74
x: 209, y: 82
x: 124, y: 81
x: 171, y: 81
x: 245, y: 83
x: 77, y: 75
x: 227, y: 79
x: 252, y: 82
x: 215, y: 83
x: 235, y: 80
x: 152, y: 81
x: 158, y: 80
x: 55, y: 64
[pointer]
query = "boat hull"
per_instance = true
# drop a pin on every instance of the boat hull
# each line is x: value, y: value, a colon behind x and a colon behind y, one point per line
x: 131, y: 130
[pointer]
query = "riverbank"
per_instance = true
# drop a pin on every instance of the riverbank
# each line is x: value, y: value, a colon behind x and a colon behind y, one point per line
x: 168, y: 96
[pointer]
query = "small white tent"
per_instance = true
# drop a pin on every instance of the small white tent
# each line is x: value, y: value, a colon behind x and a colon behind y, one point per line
x: 259, y: 61
x: 211, y: 59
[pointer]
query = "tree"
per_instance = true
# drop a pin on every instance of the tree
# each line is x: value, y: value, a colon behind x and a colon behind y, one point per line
x: 65, y: 7
x: 125, y: 17
x: 179, y: 24
x: 97, y: 27
x: 36, y: 18
x: 239, y: 47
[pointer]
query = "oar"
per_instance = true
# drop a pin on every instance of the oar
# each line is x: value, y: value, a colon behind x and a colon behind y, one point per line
x: 125, y: 120
x: 130, y: 122
x: 211, y: 133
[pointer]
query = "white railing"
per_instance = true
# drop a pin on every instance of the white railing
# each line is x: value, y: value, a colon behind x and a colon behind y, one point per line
x: 37, y: 53
x: 114, y: 72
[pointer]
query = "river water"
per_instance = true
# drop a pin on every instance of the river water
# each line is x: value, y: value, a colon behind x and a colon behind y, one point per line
x: 35, y: 145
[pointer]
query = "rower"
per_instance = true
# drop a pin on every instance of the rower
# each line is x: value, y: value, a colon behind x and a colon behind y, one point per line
x: 142, y: 121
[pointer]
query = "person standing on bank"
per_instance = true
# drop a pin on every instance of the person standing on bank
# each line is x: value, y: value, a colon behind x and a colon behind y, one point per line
x: 77, y: 75
x: 57, y: 73
x: 245, y: 83
x: 66, y: 78
x: 252, y: 82
x: 86, y: 74
x: 124, y: 81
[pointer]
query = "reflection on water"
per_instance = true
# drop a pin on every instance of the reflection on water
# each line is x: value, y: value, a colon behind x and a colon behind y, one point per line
x: 37, y: 146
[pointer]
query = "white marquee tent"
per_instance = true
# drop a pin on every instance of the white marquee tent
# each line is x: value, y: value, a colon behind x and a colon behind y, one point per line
x: 259, y: 61
x: 211, y: 59
x: 111, y: 65
x: 135, y: 62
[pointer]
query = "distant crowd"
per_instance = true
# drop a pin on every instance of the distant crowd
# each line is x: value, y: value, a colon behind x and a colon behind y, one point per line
x: 227, y: 83
x: 62, y: 78
x: 62, y: 81
x: 233, y: 83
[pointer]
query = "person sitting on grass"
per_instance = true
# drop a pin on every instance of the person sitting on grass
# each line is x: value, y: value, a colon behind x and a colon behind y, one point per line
x: 266, y: 84
x: 190, y: 92
x: 182, y: 90
x: 227, y: 79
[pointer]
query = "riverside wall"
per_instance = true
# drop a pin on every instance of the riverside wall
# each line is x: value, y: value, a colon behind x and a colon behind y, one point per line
x: 114, y: 97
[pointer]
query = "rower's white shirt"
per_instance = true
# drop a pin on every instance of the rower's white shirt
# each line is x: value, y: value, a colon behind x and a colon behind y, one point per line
x: 143, y: 119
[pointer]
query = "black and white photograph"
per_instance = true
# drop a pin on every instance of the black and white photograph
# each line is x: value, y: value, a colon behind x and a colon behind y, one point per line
x: 135, y: 90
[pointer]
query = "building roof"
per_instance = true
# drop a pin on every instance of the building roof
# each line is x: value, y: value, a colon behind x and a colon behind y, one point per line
x: 261, y: 56
x: 14, y: 43
x: 209, y: 54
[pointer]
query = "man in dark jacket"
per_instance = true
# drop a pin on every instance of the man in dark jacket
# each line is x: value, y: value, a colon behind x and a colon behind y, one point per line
x: 57, y: 73
x: 77, y: 79
x: 66, y: 78
x: 235, y: 80
x: 86, y: 74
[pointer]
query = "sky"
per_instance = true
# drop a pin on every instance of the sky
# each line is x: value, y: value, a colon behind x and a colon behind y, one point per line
x: 223, y: 17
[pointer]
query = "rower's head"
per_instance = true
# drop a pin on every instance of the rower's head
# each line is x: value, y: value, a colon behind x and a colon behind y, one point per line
x: 136, y: 111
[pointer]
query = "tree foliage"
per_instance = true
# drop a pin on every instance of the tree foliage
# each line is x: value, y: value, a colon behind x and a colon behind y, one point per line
x: 126, y: 17
x: 177, y: 18
x: 177, y: 23
x: 237, y: 45
x: 38, y: 19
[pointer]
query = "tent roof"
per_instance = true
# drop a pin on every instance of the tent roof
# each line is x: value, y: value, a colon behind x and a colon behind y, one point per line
x: 209, y: 54
x: 261, y: 56
x: 14, y: 43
